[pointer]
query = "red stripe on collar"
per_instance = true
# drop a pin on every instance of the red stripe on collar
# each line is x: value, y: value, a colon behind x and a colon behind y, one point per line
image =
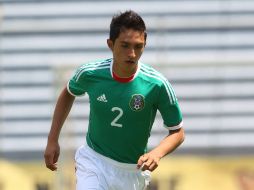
x: 124, y: 80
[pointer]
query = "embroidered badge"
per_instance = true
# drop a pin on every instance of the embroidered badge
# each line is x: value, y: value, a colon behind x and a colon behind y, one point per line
x: 137, y: 102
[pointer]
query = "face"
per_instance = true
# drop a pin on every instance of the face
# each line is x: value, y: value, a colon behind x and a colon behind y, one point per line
x: 127, y: 49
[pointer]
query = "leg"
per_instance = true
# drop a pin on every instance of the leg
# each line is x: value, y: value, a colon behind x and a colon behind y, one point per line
x: 88, y: 172
x: 87, y: 180
x: 131, y: 180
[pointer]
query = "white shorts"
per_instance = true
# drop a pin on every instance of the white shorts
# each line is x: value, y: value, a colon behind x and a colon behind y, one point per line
x: 97, y: 172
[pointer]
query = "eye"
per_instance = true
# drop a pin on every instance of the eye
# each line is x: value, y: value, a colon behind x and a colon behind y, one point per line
x: 139, y: 47
x: 124, y: 45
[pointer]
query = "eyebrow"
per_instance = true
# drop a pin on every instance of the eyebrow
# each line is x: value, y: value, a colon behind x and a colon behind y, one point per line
x: 124, y: 42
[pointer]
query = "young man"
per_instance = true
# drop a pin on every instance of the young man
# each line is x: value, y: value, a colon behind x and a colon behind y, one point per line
x: 124, y: 97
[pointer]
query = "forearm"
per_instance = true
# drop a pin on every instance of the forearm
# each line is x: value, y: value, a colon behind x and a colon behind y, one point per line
x: 150, y: 160
x: 169, y: 144
x: 62, y: 109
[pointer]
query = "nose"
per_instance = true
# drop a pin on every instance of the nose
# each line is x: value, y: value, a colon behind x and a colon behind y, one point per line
x: 131, y: 53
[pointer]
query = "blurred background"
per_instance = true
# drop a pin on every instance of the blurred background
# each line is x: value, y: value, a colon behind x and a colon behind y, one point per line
x: 205, y: 49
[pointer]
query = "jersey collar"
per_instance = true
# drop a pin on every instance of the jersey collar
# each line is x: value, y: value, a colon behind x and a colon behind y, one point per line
x: 122, y: 80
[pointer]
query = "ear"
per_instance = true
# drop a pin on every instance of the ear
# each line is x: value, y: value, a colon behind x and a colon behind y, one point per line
x: 110, y: 44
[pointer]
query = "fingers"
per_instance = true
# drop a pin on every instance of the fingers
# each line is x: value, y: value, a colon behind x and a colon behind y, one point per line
x: 147, y: 162
x: 51, y: 160
x: 142, y: 159
x: 55, y: 159
x: 153, y: 166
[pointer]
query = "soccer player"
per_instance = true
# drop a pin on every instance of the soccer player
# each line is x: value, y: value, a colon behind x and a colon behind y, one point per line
x: 124, y: 95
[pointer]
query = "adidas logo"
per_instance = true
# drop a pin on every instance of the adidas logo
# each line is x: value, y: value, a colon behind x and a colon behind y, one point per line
x: 102, y: 98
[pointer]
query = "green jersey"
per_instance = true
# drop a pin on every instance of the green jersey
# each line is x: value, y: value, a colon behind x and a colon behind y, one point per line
x: 122, y: 114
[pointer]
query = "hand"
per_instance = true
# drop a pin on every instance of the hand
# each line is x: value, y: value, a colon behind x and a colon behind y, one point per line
x: 148, y: 161
x: 51, y: 155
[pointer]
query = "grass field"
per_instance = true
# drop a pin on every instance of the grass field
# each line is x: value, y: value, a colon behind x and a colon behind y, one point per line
x: 174, y: 173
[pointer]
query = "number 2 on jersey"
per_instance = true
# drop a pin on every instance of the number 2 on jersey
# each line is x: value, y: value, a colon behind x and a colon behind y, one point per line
x: 114, y: 122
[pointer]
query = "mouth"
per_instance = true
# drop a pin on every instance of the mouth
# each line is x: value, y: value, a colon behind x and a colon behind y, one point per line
x: 130, y: 62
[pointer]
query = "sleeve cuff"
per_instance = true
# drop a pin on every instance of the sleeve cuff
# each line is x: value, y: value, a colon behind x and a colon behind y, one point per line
x: 171, y: 128
x: 68, y: 88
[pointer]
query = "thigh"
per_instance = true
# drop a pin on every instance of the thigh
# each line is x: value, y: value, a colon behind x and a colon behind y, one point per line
x: 130, y: 181
x: 87, y: 181
x: 90, y: 180
x: 88, y: 173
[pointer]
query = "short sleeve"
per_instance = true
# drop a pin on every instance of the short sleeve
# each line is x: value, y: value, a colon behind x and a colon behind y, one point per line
x: 169, y: 107
x: 77, y: 84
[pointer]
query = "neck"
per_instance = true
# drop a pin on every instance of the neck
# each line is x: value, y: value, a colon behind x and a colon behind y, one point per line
x: 125, y: 71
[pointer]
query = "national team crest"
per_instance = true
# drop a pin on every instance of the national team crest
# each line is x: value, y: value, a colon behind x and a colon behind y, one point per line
x: 137, y: 102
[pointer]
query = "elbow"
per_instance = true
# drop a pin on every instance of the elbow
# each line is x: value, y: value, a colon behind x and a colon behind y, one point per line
x: 181, y: 136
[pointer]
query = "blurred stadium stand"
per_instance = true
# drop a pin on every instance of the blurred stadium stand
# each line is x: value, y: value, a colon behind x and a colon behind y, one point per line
x: 205, y: 48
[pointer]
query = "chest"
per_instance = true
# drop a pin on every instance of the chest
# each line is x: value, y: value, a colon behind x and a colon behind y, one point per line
x: 135, y: 96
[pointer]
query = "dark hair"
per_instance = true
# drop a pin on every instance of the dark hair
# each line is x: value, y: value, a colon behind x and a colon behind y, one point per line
x: 127, y: 20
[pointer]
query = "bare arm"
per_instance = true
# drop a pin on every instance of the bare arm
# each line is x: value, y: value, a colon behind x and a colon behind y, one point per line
x: 62, y: 109
x: 150, y: 160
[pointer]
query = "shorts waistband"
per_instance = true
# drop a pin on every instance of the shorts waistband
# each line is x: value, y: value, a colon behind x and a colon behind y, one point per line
x: 126, y: 166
